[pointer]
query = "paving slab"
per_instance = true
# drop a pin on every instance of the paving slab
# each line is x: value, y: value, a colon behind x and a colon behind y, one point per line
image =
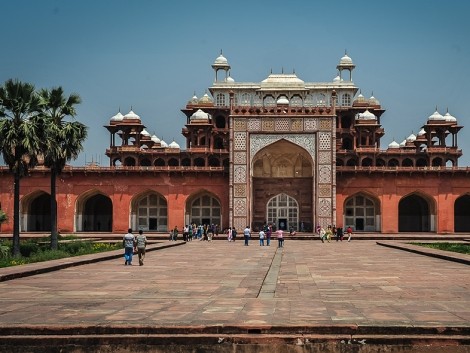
x: 336, y: 287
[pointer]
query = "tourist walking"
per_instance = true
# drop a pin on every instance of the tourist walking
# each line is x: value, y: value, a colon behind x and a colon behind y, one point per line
x: 229, y: 234
x: 280, y: 238
x: 128, y: 242
x: 247, y: 234
x: 322, y: 234
x: 268, y: 232
x: 349, y: 232
x: 261, y: 237
x: 339, y: 234
x: 141, y: 243
x: 234, y: 234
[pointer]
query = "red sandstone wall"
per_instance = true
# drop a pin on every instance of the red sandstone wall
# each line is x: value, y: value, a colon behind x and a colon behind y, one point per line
x: 121, y: 188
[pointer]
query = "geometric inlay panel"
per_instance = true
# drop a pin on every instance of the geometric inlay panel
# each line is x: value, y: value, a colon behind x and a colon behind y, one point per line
x: 325, y: 174
x: 239, y: 140
x: 240, y: 223
x: 296, y: 125
x: 239, y: 125
x: 259, y: 141
x: 254, y: 125
x: 324, y: 190
x: 239, y: 190
x: 311, y: 124
x: 324, y: 138
x: 239, y: 172
x: 324, y: 157
x: 325, y: 124
x: 324, y: 207
x: 282, y: 124
x: 268, y: 125
x: 239, y: 157
x: 239, y: 207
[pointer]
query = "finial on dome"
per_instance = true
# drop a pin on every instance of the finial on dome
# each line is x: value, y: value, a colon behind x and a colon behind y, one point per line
x: 282, y: 70
x: 293, y: 71
x: 220, y: 51
x: 271, y: 71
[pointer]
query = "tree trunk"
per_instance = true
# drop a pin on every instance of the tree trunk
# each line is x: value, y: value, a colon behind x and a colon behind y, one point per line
x: 16, y: 214
x: 54, y: 236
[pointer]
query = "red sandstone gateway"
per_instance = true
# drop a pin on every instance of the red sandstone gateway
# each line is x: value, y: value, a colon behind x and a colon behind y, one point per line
x: 280, y: 151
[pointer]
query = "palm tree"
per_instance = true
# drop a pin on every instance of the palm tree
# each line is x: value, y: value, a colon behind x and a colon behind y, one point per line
x: 19, y: 139
x: 63, y: 140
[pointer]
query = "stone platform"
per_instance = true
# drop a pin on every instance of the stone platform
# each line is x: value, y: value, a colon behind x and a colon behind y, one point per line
x: 226, y: 297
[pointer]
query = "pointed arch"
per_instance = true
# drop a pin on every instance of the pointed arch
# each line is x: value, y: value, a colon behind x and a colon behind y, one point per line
x: 35, y: 212
x: 94, y: 212
x: 416, y: 213
x: 282, y: 211
x: 203, y: 207
x: 462, y: 214
x: 362, y: 212
x: 149, y: 212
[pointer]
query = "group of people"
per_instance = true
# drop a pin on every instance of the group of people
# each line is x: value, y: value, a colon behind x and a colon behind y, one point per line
x: 138, y: 243
x: 333, y: 231
x: 200, y: 232
x: 133, y: 243
x: 266, y: 233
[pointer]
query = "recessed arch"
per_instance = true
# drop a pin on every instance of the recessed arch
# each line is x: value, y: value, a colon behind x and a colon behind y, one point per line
x: 173, y: 162
x: 35, y: 212
x: 145, y: 162
x: 282, y: 159
x: 203, y: 207
x: 159, y: 162
x: 129, y: 162
x: 462, y: 214
x: 362, y: 212
x: 416, y: 213
x: 94, y: 212
x: 407, y: 162
x: 282, y: 211
x: 149, y: 212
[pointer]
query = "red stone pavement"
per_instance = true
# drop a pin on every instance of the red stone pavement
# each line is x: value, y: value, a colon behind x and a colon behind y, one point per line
x: 220, y: 283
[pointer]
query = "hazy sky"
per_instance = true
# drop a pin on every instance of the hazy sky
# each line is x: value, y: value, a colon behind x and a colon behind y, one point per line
x: 153, y: 55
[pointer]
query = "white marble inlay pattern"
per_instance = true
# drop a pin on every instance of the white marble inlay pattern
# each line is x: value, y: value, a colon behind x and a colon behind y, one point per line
x: 259, y: 141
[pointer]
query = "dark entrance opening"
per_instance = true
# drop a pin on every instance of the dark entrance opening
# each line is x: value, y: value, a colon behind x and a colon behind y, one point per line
x: 282, y: 223
x: 153, y: 224
x: 359, y: 224
x: 413, y: 215
x: 462, y: 214
x: 98, y: 214
x: 39, y: 215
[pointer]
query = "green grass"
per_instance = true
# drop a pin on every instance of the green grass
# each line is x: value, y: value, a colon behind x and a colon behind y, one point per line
x: 463, y: 248
x: 37, y: 250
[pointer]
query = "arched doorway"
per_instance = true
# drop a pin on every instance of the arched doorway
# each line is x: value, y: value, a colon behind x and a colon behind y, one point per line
x: 150, y: 213
x: 94, y: 212
x: 36, y: 212
x: 462, y: 214
x: 97, y: 214
x: 282, y: 166
x: 362, y: 213
x: 283, y: 212
x: 204, y: 209
x: 414, y: 214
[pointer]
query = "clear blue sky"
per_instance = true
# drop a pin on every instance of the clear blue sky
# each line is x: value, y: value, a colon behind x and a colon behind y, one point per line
x: 153, y: 55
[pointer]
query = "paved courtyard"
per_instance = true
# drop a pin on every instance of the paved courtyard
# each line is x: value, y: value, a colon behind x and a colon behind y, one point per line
x: 222, y: 283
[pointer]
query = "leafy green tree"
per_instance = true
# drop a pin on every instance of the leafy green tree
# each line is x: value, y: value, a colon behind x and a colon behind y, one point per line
x: 3, y: 217
x: 19, y: 139
x: 62, y: 142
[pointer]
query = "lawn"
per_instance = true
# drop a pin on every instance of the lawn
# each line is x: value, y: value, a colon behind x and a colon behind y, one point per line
x: 463, y: 248
x: 37, y: 250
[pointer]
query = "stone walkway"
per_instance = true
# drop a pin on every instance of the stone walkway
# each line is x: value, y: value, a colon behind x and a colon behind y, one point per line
x: 220, y: 283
